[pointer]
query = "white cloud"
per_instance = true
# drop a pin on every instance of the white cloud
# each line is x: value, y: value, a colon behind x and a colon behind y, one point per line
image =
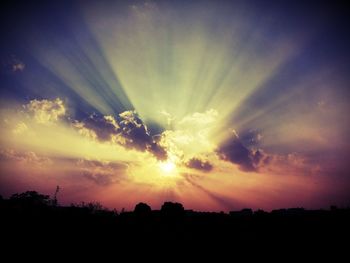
x: 46, y: 111
x: 200, y: 118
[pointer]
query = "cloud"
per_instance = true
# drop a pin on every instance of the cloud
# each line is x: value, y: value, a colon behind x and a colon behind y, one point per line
x: 158, y: 151
x: 99, y: 127
x: 190, y: 136
x: 12, y: 64
x: 27, y: 157
x: 251, y: 138
x: 234, y: 151
x: 20, y: 128
x: 201, y: 119
x: 134, y: 131
x: 136, y: 135
x: 102, y: 173
x: 86, y: 132
x: 19, y: 66
x: 46, y: 111
x: 293, y: 163
x: 257, y: 160
x: 199, y: 164
x: 126, y: 129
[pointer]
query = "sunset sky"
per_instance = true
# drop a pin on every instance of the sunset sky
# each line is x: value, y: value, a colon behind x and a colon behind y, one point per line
x: 218, y: 105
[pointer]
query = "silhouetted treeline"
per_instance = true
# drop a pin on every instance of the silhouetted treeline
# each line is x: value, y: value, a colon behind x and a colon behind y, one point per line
x: 31, y: 218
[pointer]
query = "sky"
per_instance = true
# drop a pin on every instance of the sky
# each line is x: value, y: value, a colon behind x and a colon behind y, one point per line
x: 218, y: 105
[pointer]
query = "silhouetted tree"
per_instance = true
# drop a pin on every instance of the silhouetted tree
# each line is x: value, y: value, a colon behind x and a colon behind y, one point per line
x: 142, y: 209
x: 31, y: 198
x: 54, y: 200
x: 172, y: 209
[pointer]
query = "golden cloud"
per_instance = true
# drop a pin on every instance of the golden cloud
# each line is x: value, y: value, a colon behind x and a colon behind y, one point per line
x: 46, y: 111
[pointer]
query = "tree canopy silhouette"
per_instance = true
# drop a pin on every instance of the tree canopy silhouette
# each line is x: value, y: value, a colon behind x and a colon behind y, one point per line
x: 172, y: 209
x: 142, y: 209
x: 31, y: 198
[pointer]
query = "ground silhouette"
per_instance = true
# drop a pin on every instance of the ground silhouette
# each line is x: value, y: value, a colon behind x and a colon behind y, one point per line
x: 33, y: 220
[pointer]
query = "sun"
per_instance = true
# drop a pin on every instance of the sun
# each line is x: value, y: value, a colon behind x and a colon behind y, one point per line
x: 167, y: 166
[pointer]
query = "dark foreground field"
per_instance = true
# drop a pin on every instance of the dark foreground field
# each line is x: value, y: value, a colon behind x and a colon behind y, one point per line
x: 34, y: 222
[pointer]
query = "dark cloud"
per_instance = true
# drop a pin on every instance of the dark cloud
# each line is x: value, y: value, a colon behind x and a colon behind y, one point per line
x: 250, y: 159
x: 199, y: 164
x: 251, y: 138
x: 134, y: 131
x: 158, y: 151
x: 259, y: 156
x: 101, y: 126
x: 154, y: 127
x: 126, y: 129
x: 234, y: 151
